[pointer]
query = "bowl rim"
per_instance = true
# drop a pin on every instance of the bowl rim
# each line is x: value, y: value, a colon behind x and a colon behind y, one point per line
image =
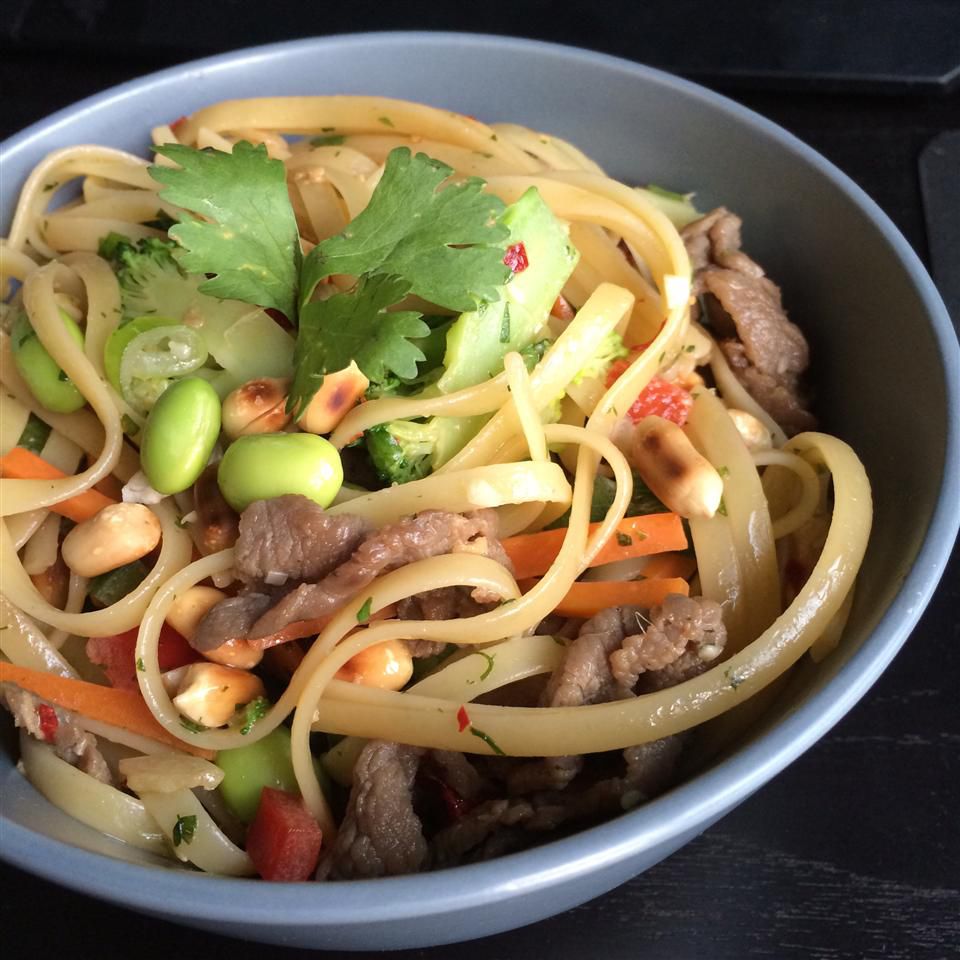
x: 683, y: 811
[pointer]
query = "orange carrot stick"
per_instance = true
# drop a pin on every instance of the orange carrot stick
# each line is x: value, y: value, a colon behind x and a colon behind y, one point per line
x: 588, y: 599
x: 670, y: 565
x: 21, y: 464
x: 119, y: 708
x: 532, y: 553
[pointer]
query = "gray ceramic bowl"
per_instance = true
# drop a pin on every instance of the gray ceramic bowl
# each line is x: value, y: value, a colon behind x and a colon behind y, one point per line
x: 879, y: 333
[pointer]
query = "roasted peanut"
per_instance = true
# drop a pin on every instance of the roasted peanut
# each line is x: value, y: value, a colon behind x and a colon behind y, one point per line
x: 209, y: 693
x: 339, y: 392
x: 387, y: 665
x: 236, y: 653
x: 258, y: 406
x: 670, y: 466
x: 755, y: 435
x: 117, y: 535
x: 186, y: 612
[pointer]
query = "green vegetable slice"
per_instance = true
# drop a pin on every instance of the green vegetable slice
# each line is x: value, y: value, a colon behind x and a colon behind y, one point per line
x: 154, y: 358
x: 120, y: 339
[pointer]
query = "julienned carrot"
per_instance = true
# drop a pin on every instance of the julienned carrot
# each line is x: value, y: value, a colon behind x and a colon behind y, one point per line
x: 586, y: 599
x: 532, y: 553
x: 670, y: 565
x: 119, y: 708
x: 20, y: 464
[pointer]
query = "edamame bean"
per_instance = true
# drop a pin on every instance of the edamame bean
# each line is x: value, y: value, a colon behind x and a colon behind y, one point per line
x: 180, y: 434
x: 266, y: 763
x: 265, y: 465
x: 47, y: 382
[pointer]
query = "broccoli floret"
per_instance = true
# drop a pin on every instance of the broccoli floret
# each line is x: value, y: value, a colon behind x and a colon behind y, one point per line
x: 151, y: 281
x: 402, y: 450
x: 610, y: 349
x: 405, y: 450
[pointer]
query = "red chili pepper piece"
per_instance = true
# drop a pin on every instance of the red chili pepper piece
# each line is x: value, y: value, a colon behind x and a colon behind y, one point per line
x: 179, y: 122
x: 516, y: 258
x: 48, y: 721
x: 284, y: 840
x: 463, y: 719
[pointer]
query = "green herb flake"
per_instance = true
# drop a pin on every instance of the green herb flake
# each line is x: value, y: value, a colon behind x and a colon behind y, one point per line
x: 184, y: 829
x: 329, y: 140
x: 723, y: 471
x: 689, y: 348
x: 505, y: 325
x: 386, y: 121
x: 327, y: 129
x: 489, y: 667
x: 253, y: 712
x: 191, y: 725
x: 488, y: 740
x: 559, y: 641
x: 363, y: 614
x: 140, y: 665
x: 624, y: 539
x: 722, y: 508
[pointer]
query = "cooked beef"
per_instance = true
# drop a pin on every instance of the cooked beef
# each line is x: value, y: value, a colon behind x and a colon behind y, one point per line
x: 428, y: 534
x: 218, y: 524
x: 550, y: 773
x: 501, y: 825
x: 294, y: 538
x: 230, y: 619
x: 71, y: 742
x: 620, y: 652
x: 650, y: 766
x: 381, y: 835
x: 455, y: 843
x: 584, y: 676
x: 457, y: 772
x: 675, y: 643
x: 765, y: 350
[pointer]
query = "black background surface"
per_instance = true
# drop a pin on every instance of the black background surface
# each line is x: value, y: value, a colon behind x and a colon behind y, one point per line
x: 854, y: 851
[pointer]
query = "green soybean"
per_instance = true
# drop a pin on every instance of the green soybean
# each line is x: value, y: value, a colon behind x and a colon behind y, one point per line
x: 180, y: 434
x: 265, y: 465
x: 47, y: 382
x: 266, y: 763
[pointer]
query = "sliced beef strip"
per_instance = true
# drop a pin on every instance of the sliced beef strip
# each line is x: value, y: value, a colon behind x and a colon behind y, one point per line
x: 675, y: 642
x: 428, y: 534
x: 502, y: 825
x: 381, y: 835
x: 767, y: 352
x: 293, y: 538
x: 231, y: 619
x: 665, y: 645
x: 71, y: 742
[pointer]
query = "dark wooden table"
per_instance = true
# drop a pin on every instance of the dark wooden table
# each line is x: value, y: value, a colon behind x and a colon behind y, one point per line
x: 852, y: 852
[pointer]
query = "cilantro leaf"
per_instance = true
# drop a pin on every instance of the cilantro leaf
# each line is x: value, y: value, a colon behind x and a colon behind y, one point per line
x: 184, y: 829
x: 447, y: 243
x: 248, y: 236
x: 355, y: 325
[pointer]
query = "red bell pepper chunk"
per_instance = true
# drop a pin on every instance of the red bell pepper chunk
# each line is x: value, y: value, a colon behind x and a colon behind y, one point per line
x: 117, y: 655
x: 516, y: 257
x: 659, y: 398
x: 284, y: 840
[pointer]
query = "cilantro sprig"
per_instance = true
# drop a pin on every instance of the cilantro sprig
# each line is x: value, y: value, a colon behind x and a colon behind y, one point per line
x: 419, y: 235
x: 248, y: 238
